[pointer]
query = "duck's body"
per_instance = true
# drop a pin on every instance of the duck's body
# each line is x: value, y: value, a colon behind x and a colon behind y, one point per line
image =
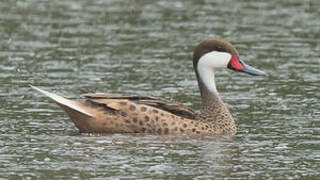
x: 110, y: 113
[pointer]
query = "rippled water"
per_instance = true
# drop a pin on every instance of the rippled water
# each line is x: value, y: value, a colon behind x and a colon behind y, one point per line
x: 145, y: 47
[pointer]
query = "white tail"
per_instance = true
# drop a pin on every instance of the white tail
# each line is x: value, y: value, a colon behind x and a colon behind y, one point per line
x: 63, y: 101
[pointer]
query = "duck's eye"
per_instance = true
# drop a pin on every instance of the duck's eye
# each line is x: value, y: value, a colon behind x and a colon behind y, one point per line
x: 220, y: 49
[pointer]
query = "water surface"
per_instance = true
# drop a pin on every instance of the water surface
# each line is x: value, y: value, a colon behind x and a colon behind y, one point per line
x: 145, y: 47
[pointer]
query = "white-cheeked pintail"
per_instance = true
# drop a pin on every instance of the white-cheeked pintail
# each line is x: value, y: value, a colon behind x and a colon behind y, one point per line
x: 113, y: 113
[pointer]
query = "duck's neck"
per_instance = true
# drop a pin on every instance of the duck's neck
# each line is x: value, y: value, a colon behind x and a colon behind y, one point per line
x: 213, y: 110
x: 208, y: 91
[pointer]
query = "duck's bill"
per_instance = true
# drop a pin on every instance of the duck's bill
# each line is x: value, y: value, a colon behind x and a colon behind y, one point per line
x: 251, y: 70
x: 237, y: 65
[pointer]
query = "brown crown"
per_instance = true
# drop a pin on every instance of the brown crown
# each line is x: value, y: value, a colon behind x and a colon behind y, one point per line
x: 212, y: 45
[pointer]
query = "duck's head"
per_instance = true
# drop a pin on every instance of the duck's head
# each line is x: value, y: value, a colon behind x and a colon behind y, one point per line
x: 218, y: 54
x: 211, y: 55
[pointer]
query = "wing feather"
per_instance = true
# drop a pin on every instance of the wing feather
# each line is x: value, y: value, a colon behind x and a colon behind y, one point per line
x: 173, y: 108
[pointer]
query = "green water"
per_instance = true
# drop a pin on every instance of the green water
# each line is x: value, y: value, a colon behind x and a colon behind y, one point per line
x: 145, y: 47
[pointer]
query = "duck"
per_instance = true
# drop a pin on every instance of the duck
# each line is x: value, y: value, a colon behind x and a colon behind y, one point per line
x: 105, y: 113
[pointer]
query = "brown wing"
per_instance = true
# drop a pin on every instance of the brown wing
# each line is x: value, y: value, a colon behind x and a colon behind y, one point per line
x: 173, y: 108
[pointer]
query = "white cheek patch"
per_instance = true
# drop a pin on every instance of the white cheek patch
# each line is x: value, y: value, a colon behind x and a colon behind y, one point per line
x: 207, y: 65
x: 215, y: 59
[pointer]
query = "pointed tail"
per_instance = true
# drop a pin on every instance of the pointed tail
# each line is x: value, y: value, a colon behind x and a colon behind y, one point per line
x: 63, y: 101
